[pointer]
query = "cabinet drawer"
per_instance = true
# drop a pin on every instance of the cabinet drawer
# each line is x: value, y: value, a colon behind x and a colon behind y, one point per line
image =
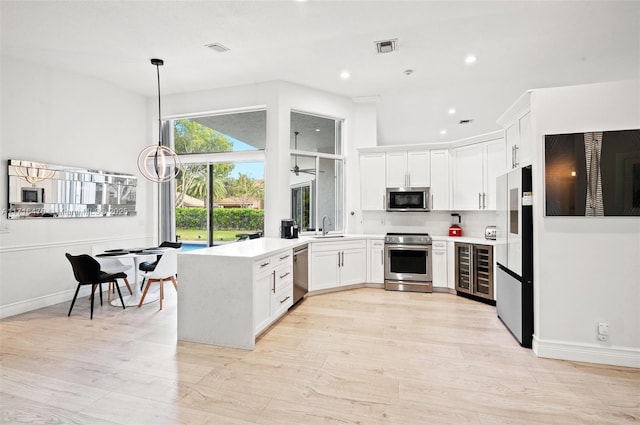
x: 282, y: 258
x: 283, y: 276
x: 277, y: 260
x: 281, y: 301
x: 439, y: 244
x: 263, y: 266
x: 338, y: 246
x: 375, y: 243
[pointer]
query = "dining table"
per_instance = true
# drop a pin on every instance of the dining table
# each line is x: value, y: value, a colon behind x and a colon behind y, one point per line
x: 136, y: 255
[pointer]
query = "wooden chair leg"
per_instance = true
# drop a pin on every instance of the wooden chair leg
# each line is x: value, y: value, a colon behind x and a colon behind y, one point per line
x: 175, y: 284
x: 109, y: 289
x: 144, y: 294
x: 126, y: 282
x: 161, y: 292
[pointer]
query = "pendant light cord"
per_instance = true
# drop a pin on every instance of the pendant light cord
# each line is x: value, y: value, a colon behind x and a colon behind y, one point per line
x: 159, y: 108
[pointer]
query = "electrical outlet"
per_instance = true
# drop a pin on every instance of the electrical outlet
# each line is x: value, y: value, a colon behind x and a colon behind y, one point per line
x: 602, y: 337
x: 603, y: 328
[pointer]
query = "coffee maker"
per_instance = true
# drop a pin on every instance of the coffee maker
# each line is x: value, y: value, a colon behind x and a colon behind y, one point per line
x: 288, y: 229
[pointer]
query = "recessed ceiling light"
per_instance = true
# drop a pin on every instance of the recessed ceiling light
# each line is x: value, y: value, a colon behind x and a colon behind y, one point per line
x: 443, y: 131
x: 345, y: 75
x: 317, y: 129
x: 470, y: 59
x: 452, y: 111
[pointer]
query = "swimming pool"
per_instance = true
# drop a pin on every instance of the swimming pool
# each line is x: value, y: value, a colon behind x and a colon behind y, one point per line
x: 190, y: 246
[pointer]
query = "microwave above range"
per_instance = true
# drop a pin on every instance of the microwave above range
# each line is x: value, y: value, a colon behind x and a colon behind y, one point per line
x: 408, y: 199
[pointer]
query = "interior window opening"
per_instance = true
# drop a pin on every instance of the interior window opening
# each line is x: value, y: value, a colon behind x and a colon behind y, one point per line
x: 316, y: 178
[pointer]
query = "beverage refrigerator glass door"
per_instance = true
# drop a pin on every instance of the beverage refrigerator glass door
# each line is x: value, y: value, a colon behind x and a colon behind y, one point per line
x: 408, y: 199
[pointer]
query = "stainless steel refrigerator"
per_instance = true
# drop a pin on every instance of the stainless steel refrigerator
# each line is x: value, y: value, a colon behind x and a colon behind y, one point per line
x: 514, y: 254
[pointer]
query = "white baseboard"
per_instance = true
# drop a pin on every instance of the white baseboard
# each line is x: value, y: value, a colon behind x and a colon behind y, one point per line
x: 589, y: 353
x: 25, y: 306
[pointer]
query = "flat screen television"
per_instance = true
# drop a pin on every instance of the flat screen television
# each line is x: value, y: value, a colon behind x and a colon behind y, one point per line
x: 592, y: 173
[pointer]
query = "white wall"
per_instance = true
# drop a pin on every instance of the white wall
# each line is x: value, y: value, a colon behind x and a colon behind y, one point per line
x: 587, y: 269
x: 62, y: 118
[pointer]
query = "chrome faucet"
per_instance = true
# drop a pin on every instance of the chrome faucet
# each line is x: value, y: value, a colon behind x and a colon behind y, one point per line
x: 324, y: 226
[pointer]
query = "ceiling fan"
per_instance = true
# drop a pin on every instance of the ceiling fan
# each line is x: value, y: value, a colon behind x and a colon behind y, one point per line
x: 296, y: 169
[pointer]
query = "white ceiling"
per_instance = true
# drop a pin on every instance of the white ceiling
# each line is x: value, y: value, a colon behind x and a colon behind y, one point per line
x: 519, y: 45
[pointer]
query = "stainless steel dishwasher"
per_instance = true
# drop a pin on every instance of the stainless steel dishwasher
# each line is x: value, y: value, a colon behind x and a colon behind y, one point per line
x: 300, y: 273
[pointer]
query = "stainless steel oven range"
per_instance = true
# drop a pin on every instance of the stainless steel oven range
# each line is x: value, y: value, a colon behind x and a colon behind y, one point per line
x: 407, y: 262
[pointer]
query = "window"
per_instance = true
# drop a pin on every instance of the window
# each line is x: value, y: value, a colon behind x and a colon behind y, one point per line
x: 316, y: 179
x: 219, y: 193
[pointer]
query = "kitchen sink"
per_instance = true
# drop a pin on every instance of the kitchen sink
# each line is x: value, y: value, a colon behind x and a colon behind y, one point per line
x: 328, y: 236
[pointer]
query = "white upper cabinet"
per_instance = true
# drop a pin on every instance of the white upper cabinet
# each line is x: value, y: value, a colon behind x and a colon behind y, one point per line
x: 440, y: 187
x: 516, y: 122
x: 474, y: 177
x: 408, y: 169
x: 372, y: 181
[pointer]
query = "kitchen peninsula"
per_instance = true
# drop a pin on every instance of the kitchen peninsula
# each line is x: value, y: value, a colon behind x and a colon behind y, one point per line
x: 229, y: 294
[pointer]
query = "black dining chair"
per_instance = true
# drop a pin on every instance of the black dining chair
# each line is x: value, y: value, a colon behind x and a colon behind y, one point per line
x: 86, y: 270
x: 149, y: 266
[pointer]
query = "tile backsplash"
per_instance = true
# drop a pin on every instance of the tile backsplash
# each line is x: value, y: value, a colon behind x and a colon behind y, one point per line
x: 436, y: 223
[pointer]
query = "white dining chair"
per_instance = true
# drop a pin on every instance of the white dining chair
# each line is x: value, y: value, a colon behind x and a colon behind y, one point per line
x: 166, y: 270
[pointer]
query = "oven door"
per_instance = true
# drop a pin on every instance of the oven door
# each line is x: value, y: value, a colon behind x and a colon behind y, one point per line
x: 407, y: 262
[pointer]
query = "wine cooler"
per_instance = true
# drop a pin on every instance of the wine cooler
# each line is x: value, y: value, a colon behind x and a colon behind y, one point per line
x: 474, y: 270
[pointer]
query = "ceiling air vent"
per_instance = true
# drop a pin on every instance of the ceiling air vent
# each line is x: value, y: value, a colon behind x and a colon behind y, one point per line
x: 466, y: 121
x: 217, y: 47
x: 387, y: 46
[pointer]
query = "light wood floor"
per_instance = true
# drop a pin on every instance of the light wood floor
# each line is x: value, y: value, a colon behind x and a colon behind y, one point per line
x: 363, y: 356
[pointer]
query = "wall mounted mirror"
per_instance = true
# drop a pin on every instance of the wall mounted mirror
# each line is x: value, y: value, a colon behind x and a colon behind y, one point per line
x: 38, y: 190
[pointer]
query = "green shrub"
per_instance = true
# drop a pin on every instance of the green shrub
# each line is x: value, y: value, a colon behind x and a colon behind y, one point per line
x: 223, y: 218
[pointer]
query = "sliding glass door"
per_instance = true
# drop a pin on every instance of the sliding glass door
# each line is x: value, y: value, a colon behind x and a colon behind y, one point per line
x: 219, y: 194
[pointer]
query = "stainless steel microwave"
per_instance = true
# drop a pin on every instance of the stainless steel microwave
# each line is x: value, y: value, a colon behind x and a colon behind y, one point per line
x: 408, y: 199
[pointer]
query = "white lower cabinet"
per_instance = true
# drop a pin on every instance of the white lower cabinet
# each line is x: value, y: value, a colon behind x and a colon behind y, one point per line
x: 272, y: 289
x: 335, y: 264
x: 439, y: 264
x: 376, y: 261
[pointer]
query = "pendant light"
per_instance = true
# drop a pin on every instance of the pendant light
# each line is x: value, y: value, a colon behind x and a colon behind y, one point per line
x: 158, y: 163
x: 33, y: 172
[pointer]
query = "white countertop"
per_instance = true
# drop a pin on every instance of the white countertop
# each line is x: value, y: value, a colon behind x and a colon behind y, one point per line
x: 262, y: 247
x: 465, y: 239
x: 251, y: 248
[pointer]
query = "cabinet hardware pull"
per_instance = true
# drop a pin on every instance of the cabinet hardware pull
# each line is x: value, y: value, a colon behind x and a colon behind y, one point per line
x: 516, y: 150
x: 431, y: 206
x: 286, y: 256
x: 274, y: 281
x: 338, y: 258
x: 284, y: 275
x: 342, y: 259
x: 265, y: 264
x: 479, y: 201
x: 286, y: 298
x: 382, y: 257
x: 484, y: 201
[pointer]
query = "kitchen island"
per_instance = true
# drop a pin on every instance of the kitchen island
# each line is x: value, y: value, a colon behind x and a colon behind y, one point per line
x: 229, y: 294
